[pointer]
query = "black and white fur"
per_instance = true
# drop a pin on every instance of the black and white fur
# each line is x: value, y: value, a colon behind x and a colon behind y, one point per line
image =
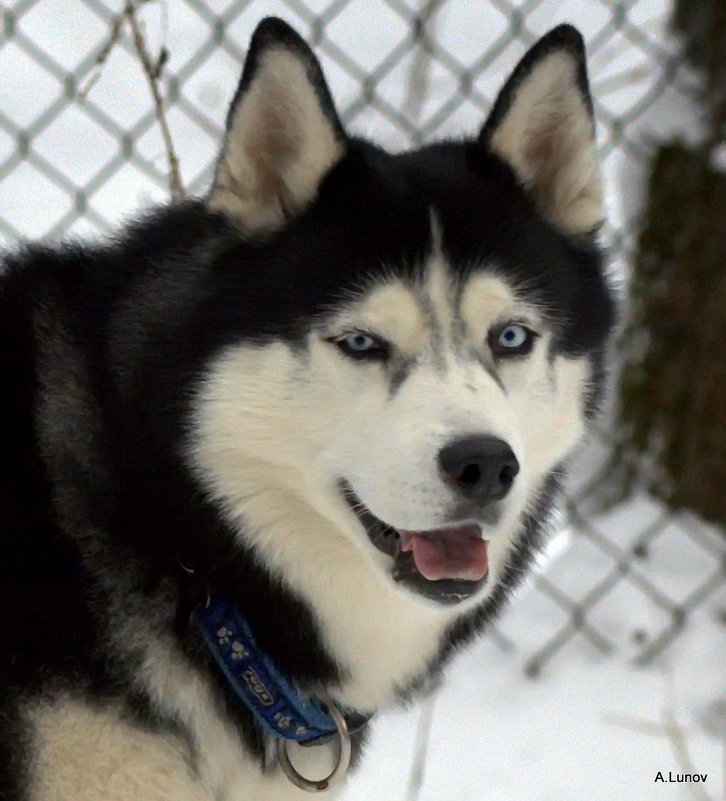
x: 176, y: 418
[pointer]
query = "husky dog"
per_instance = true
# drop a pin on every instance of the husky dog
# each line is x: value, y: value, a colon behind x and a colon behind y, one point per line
x: 269, y: 457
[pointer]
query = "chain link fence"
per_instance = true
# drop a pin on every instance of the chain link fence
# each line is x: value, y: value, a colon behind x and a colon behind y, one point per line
x: 81, y: 147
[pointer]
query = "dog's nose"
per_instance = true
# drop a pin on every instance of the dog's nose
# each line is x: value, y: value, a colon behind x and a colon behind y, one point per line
x: 481, y: 468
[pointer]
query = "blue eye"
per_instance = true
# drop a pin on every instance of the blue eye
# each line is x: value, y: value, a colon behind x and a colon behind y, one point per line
x: 359, y: 342
x: 359, y: 345
x: 511, y: 340
x: 513, y: 336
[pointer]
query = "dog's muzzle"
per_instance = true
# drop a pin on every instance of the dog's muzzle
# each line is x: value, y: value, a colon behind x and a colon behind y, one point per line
x: 447, y: 565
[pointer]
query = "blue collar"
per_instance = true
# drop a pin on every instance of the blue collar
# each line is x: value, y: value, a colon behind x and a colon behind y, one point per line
x: 274, y: 703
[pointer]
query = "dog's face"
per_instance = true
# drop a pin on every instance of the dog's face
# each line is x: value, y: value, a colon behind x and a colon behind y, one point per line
x: 424, y: 330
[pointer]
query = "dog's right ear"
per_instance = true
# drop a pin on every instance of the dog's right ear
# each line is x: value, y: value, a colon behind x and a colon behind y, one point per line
x: 542, y: 126
x: 283, y: 133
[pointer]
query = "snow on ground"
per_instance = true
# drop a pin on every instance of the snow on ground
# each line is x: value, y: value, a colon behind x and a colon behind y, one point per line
x: 592, y: 725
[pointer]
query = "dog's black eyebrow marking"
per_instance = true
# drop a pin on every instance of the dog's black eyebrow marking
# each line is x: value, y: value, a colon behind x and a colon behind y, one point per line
x: 491, y: 372
x: 460, y: 283
x: 399, y: 373
x: 553, y: 351
x: 459, y: 331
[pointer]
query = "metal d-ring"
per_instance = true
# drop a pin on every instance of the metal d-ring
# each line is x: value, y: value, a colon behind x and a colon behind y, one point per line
x: 339, y: 771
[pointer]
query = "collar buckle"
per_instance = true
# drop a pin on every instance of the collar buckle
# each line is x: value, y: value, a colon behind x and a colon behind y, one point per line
x: 339, y: 771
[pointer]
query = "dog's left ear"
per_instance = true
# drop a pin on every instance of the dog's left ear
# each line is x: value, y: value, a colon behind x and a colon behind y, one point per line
x: 542, y: 126
x: 283, y: 133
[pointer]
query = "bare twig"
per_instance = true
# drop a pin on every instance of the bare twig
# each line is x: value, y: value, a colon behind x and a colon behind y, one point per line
x: 679, y: 746
x: 102, y: 56
x: 673, y: 732
x: 652, y: 728
x: 420, y: 749
x: 677, y: 738
x: 152, y: 70
x: 105, y: 51
x: 669, y: 728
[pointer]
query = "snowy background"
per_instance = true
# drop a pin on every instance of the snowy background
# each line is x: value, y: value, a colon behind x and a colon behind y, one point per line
x: 607, y: 667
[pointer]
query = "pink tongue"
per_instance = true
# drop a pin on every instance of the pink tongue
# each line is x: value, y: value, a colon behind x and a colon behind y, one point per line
x: 454, y: 553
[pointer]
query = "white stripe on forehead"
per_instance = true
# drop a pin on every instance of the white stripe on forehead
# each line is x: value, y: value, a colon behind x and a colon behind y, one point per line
x: 437, y: 289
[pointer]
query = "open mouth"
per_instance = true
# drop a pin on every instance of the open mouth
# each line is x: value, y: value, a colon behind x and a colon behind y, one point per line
x: 447, y: 564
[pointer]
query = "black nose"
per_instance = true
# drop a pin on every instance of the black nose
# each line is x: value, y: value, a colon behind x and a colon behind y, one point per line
x: 481, y: 468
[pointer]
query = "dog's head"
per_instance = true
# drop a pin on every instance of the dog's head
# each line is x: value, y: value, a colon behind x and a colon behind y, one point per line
x: 416, y: 338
